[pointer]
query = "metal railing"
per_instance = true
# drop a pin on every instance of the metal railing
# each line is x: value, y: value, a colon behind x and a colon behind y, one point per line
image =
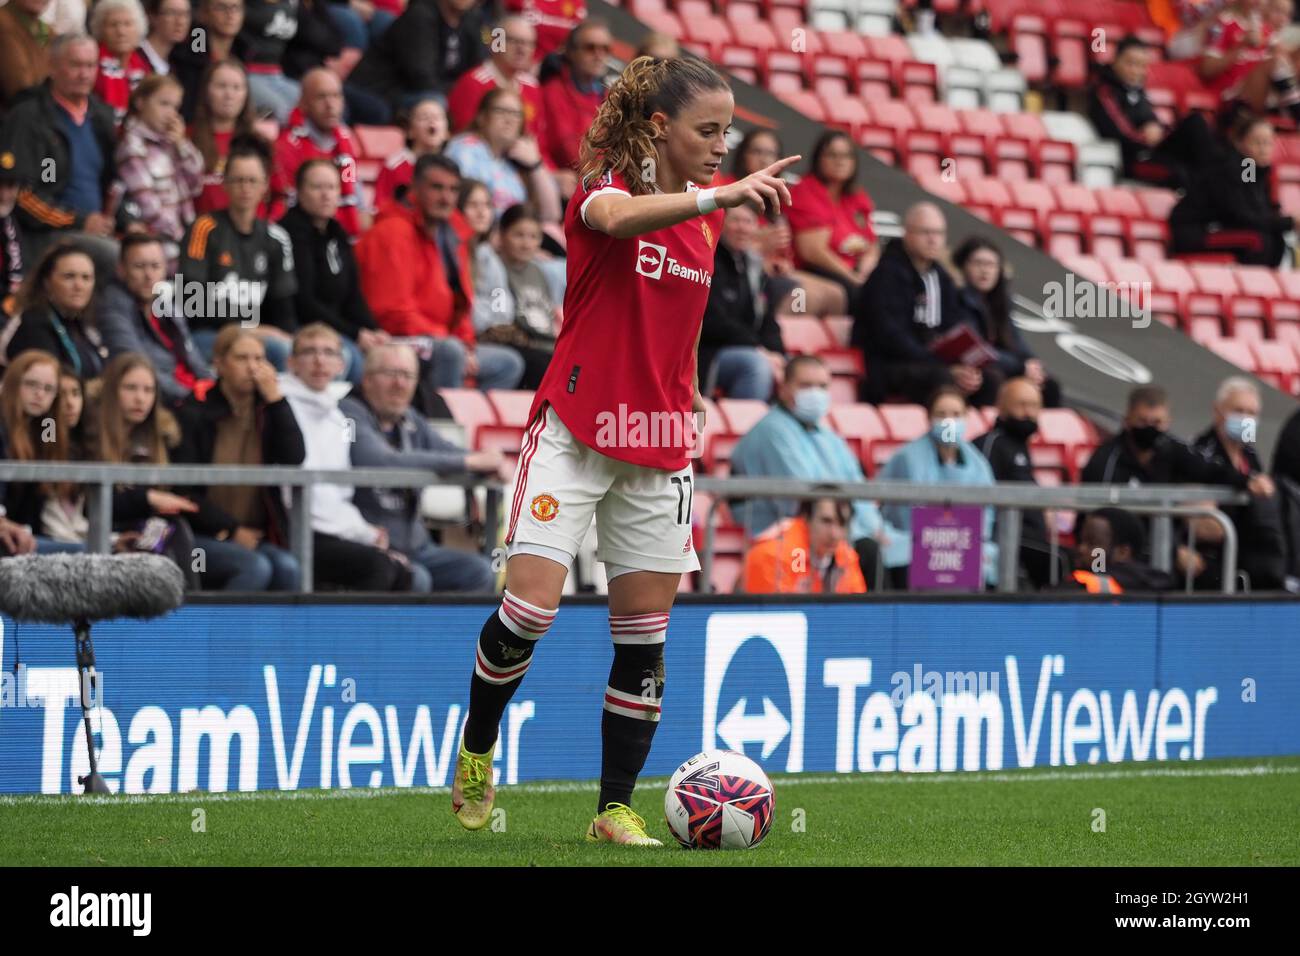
x: 1164, y: 502
x: 98, y: 481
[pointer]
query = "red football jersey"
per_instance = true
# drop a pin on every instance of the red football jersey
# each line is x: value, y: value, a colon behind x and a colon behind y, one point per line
x: 1225, y: 35
x: 626, y: 351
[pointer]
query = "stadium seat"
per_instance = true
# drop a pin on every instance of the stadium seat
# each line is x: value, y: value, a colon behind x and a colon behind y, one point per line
x: 1257, y: 280
x: 1119, y: 202
x: 1028, y: 40
x: 1276, y: 363
x: 1070, y: 54
x: 916, y: 82
x: 863, y: 422
x: 378, y: 142
x: 471, y: 410
x: 1214, y: 278
x: 1238, y: 353
x: 852, y: 46
x: 1022, y: 224
x: 1055, y: 160
x: 1026, y: 126
x: 804, y: 334
x: 905, y: 422
x: 880, y: 141
x: 1158, y: 203
x: 511, y: 406
x: 1004, y: 91
x: 1147, y: 238
x: 840, y: 328
x: 1106, y: 237
x: 874, y: 79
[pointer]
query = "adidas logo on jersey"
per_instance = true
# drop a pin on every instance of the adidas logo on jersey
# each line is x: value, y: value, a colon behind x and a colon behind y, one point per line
x: 652, y: 261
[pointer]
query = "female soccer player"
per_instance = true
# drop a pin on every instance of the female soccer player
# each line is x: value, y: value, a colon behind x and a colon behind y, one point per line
x: 613, y: 423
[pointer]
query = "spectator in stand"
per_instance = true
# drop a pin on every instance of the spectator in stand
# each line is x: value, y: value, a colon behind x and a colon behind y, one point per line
x: 243, y: 419
x: 416, y: 275
x: 62, y: 125
x: 33, y: 428
x: 830, y: 216
x: 662, y: 46
x: 361, y: 22
x: 1186, y: 23
x: 793, y: 440
x: 1242, y: 61
x: 317, y: 41
x: 329, y: 285
x: 268, y: 28
x: 1231, y: 207
x: 496, y: 151
x: 24, y: 48
x: 127, y: 426
x: 1120, y: 110
x: 133, y: 318
x: 241, y: 261
x: 220, y: 23
x: 391, y: 434
x: 510, y: 68
x: 941, y: 456
x: 119, y: 26
x: 57, y: 304
x: 424, y: 52
x: 806, y: 554
x: 161, y: 171
x: 909, y: 301
x: 759, y: 149
x: 350, y: 552
x: 63, y: 519
x: 572, y: 96
x: 522, y: 317
x: 1107, y: 557
x: 740, y: 350
x: 555, y: 20
x: 169, y: 27
x: 12, y: 262
x: 1286, y: 453
x: 985, y: 303
x: 316, y: 131
x: 1006, y: 447
x: 426, y: 132
x: 224, y: 111
x: 1230, y: 442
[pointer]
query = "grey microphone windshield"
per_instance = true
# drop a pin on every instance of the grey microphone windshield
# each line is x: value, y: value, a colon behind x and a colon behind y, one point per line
x: 66, y: 588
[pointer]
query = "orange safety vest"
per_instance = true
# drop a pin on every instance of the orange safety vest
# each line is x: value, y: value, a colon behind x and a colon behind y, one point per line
x: 1098, y: 583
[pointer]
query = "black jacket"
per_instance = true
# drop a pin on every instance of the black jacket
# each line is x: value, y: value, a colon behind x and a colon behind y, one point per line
x: 22, y: 500
x: 1007, y: 342
x: 421, y: 51
x: 733, y: 314
x: 1286, y: 454
x: 269, y: 25
x: 329, y: 283
x: 317, y: 39
x: 282, y: 444
x: 1009, y: 459
x: 1261, y: 545
x: 1114, y: 463
x: 31, y: 131
x: 897, y: 319
x: 83, y: 349
x: 1119, y: 112
x: 1222, y: 201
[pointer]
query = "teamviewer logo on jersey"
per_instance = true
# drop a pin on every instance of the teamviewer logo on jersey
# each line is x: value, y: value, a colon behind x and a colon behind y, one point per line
x: 650, y: 259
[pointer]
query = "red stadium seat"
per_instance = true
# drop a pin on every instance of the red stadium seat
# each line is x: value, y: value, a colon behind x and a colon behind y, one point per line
x: 916, y: 82
x: 1075, y: 198
x: 663, y: 21
x: 880, y: 141
x: 1158, y: 203
x: 1055, y: 161
x: 848, y: 45
x: 1070, y: 50
x: 1147, y: 238
x: 1062, y: 233
x: 923, y: 151
x: 470, y: 409
x: 892, y: 113
x: 1022, y: 224
x: 1062, y: 432
x: 809, y: 104
x: 1105, y: 237
x: 804, y: 334
x: 1238, y: 353
x: 862, y: 422
x: 846, y: 113
x: 968, y: 151
x: 1034, y: 195
x: 892, y: 47
x: 1172, y: 277
x: 1029, y: 41
x: 989, y: 192
x: 1026, y: 126
x: 1010, y: 158
x: 936, y: 117
x: 829, y: 65
x: 378, y: 142
x: 741, y: 414
x: 1086, y: 267
x: 944, y: 187
x: 839, y: 328
x: 511, y: 406
x: 980, y: 122
x: 1214, y: 278
x: 1257, y: 280
x: 709, y: 31
x: 1247, y: 319
x: 874, y: 79
x: 1119, y: 202
x: 905, y: 422
x: 1129, y: 271
x: 1276, y: 362
x: 1204, y: 329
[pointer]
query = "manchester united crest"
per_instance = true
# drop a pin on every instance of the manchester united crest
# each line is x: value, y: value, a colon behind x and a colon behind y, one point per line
x: 544, y: 507
x: 708, y: 233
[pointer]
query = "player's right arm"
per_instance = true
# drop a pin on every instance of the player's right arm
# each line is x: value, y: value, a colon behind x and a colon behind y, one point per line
x: 623, y: 216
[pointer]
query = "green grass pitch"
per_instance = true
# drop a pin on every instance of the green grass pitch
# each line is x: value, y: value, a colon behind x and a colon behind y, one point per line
x: 1228, y: 812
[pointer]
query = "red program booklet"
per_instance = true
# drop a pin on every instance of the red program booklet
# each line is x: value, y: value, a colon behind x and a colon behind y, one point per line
x: 961, y: 346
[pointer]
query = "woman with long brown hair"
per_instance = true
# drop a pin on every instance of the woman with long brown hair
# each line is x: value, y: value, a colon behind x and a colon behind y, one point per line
x: 223, y: 111
x: 129, y: 427
x: 32, y: 429
x: 641, y: 239
x: 57, y: 303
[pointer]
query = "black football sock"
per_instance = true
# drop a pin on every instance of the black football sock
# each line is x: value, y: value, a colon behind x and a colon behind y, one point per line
x: 505, y: 649
x: 632, y: 703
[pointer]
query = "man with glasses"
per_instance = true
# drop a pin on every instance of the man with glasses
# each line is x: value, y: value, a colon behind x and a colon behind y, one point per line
x: 572, y: 96
x: 389, y: 433
x: 514, y: 42
x: 236, y: 266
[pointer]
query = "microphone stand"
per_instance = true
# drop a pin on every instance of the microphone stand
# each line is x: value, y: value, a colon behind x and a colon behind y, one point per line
x: 88, y: 681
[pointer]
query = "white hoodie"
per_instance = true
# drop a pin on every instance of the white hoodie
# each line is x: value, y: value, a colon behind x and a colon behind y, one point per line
x: 327, y: 434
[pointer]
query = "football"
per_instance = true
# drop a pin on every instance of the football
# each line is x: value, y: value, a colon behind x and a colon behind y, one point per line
x: 719, y: 800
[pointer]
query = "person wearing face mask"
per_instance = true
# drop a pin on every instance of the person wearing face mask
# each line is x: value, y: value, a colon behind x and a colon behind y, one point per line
x: 940, y: 456
x: 794, y: 441
x: 1006, y: 446
x: 1230, y: 442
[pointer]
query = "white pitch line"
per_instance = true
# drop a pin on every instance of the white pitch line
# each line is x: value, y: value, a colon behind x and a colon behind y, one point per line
x: 589, y: 786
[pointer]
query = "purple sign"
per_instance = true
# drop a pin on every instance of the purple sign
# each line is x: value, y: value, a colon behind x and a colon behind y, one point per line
x: 947, y: 549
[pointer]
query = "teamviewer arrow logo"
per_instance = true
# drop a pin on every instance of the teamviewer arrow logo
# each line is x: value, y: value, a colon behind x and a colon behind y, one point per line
x: 650, y: 259
x: 724, y: 635
x: 768, y: 728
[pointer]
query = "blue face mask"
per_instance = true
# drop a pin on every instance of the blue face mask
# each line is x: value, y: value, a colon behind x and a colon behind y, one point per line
x: 1240, y: 428
x: 811, y: 404
x: 948, y: 431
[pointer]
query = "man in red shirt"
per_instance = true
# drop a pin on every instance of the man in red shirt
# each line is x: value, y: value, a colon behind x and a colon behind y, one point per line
x: 415, y: 273
x: 513, y: 43
x: 1242, y: 59
x: 316, y: 131
x: 572, y: 97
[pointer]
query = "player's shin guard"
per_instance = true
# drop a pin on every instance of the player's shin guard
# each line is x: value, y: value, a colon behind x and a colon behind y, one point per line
x: 505, y: 649
x: 632, y: 700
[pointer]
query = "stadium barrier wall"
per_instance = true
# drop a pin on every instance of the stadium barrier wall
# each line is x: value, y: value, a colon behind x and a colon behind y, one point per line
x: 312, y: 693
